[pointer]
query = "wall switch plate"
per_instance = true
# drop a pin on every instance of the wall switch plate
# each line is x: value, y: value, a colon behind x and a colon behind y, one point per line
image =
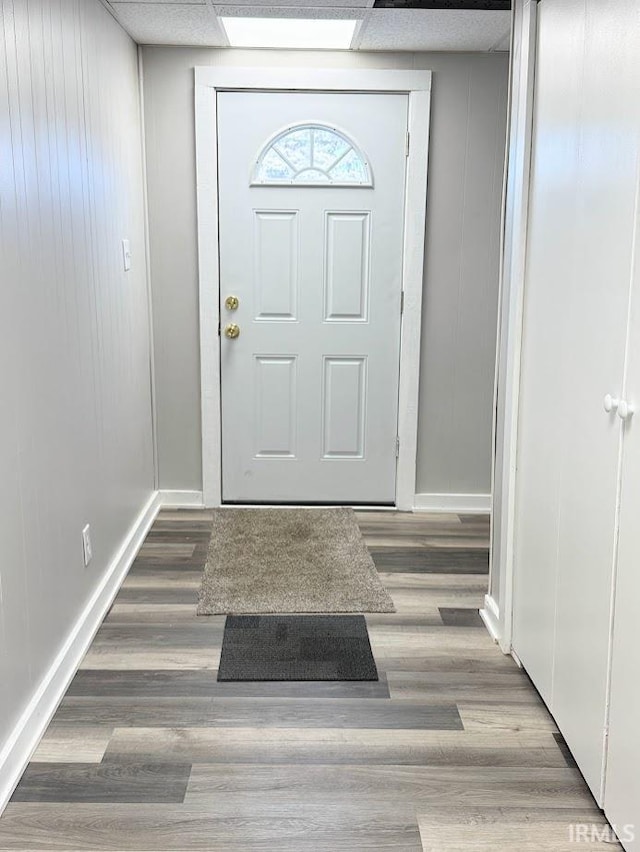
x: 126, y: 255
x: 86, y: 545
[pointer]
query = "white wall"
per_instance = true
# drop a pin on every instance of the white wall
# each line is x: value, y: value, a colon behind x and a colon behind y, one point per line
x: 461, y: 280
x: 75, y: 430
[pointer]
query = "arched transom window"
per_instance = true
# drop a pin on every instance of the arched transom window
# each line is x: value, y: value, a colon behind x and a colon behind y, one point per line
x: 311, y: 155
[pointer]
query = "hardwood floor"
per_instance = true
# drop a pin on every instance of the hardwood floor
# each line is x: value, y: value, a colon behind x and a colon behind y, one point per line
x: 451, y: 750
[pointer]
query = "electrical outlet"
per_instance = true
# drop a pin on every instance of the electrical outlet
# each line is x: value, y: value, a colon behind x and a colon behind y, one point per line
x: 126, y: 255
x: 86, y: 545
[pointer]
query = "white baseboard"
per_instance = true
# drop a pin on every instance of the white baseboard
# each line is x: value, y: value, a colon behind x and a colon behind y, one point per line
x: 17, y: 751
x: 466, y: 504
x: 491, y: 617
x: 181, y: 499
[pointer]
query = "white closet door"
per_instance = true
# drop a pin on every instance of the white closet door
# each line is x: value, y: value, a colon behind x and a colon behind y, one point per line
x: 577, y: 290
x: 622, y: 783
x: 547, y: 310
x: 606, y: 199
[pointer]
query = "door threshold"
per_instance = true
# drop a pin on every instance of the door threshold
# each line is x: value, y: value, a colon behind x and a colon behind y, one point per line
x: 358, y: 507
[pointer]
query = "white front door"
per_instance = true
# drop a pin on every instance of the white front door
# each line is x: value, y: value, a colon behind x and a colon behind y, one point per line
x: 311, y: 201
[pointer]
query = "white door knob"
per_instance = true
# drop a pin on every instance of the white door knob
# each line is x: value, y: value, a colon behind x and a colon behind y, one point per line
x: 625, y: 410
x: 610, y: 403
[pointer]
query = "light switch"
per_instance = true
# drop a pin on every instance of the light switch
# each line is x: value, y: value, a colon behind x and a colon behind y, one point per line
x: 126, y: 255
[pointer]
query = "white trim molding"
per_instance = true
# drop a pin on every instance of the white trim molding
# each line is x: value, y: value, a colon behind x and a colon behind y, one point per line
x: 417, y: 86
x: 511, y: 301
x: 181, y: 499
x: 490, y: 615
x: 466, y: 504
x: 147, y: 260
x: 26, y: 735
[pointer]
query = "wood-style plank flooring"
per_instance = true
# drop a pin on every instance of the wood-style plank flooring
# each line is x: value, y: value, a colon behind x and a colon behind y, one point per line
x: 451, y: 750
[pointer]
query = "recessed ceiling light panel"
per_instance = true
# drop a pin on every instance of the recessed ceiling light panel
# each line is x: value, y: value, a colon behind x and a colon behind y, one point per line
x: 296, y: 33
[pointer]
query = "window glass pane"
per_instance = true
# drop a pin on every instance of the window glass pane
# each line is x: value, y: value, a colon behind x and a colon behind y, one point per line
x: 273, y: 167
x: 296, y: 148
x: 312, y: 154
x: 311, y: 176
x: 350, y: 169
x: 327, y: 147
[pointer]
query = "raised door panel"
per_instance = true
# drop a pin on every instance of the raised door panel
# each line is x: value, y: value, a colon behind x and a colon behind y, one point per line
x: 347, y: 262
x: 275, y: 255
x: 344, y: 408
x: 275, y: 411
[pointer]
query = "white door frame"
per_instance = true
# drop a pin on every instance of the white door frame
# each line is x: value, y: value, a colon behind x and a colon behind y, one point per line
x: 415, y: 84
x: 498, y: 617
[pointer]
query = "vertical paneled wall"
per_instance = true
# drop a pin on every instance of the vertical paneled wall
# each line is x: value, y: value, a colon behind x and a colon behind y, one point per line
x: 466, y: 157
x: 75, y: 428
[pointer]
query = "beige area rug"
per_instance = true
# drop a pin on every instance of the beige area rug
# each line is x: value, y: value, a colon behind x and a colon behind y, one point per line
x: 289, y: 561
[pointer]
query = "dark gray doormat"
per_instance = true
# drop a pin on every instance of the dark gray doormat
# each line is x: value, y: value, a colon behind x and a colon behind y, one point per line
x: 289, y: 561
x: 296, y: 647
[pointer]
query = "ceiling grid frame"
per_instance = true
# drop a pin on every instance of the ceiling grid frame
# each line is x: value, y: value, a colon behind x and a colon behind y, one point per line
x: 196, y: 23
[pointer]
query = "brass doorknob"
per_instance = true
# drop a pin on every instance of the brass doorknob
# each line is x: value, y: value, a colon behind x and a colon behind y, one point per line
x: 231, y: 303
x: 231, y: 330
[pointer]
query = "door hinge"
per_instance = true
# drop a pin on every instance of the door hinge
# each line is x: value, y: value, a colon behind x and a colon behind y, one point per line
x: 402, y: 301
x: 406, y: 153
x: 397, y: 446
x: 219, y: 327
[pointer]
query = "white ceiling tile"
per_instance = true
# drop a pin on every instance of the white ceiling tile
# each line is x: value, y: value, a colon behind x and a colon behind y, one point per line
x: 306, y: 6
x: 114, y: 3
x: 170, y: 23
x: 430, y: 29
x: 349, y: 13
x: 505, y: 42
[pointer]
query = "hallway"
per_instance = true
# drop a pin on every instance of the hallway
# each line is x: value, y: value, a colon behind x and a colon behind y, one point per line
x: 451, y: 750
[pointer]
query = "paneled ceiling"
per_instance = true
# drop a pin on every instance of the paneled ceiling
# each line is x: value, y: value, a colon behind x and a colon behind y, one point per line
x: 195, y: 22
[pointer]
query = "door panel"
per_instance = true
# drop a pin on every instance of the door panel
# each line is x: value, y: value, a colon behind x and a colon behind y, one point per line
x: 347, y: 252
x: 345, y: 406
x: 277, y: 247
x: 310, y: 386
x: 275, y: 407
